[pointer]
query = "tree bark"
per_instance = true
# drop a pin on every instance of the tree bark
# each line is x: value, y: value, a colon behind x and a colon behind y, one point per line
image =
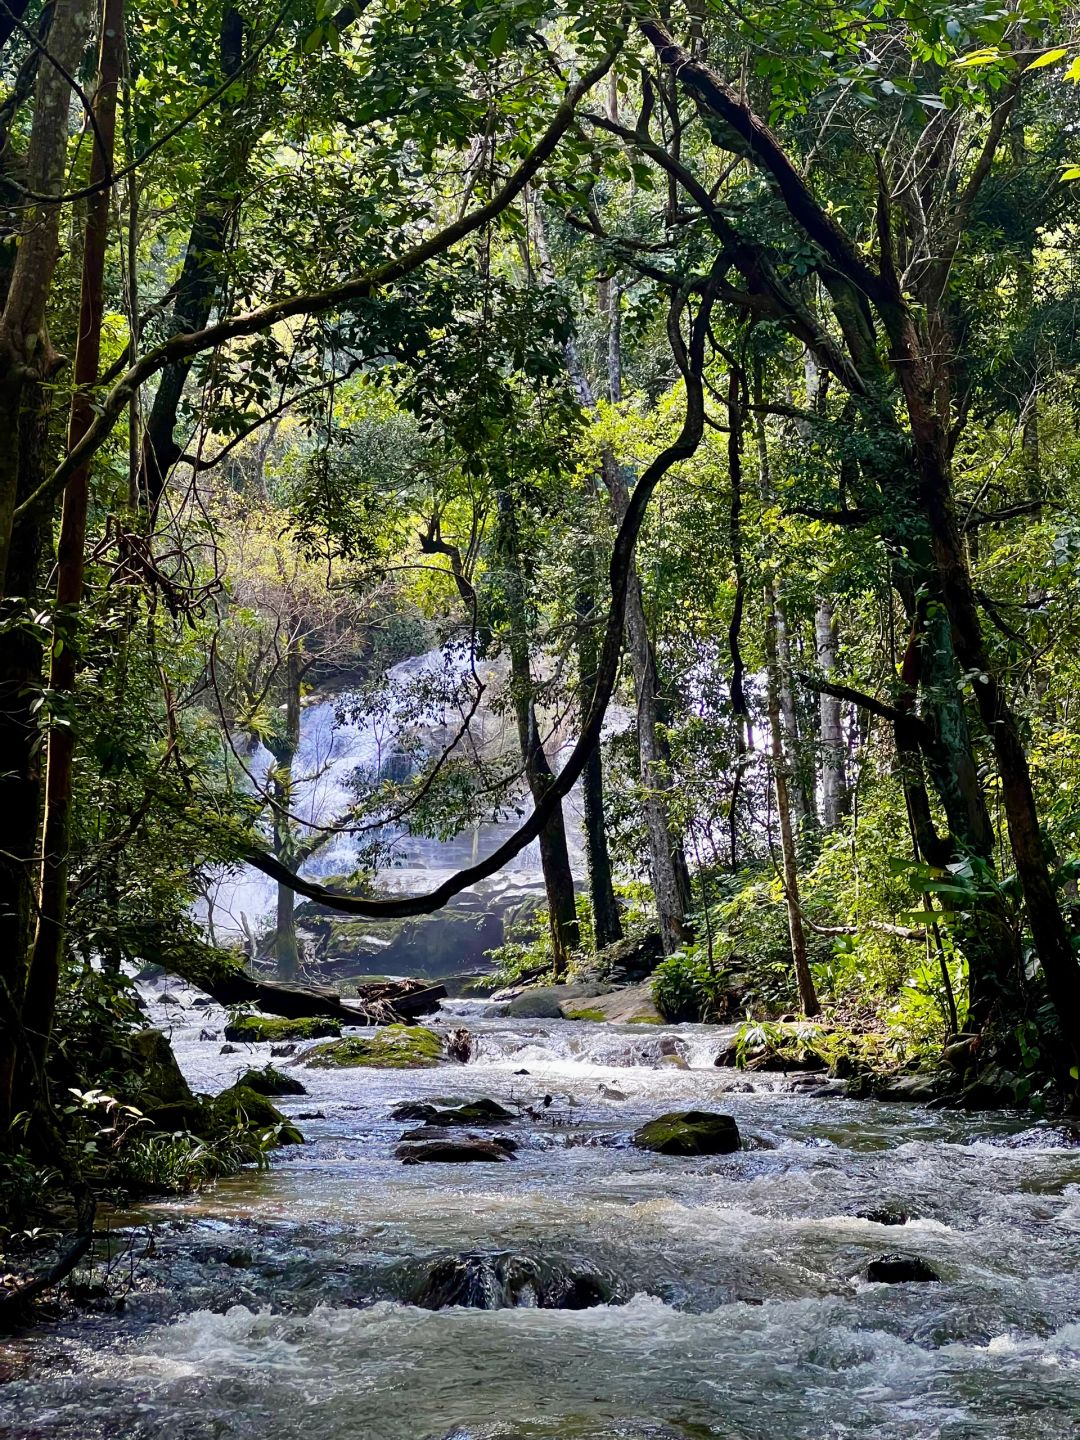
x: 831, y: 737
x: 554, y: 854
x: 39, y: 998
x: 803, y: 977
x: 283, y: 748
x: 26, y: 355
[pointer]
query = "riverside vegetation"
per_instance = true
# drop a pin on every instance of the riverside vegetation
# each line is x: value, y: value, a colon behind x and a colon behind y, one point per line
x: 650, y: 433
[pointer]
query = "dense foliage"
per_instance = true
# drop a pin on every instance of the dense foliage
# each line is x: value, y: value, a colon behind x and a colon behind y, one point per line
x: 337, y: 334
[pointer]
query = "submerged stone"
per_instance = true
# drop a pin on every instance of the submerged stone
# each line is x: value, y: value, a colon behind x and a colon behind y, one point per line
x: 900, y: 1270
x: 385, y: 1047
x: 501, y: 1282
x: 690, y: 1132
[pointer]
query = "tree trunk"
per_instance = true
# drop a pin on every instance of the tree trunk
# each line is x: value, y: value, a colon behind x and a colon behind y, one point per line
x: 554, y: 854
x: 804, y: 979
x: 831, y: 739
x: 26, y: 355
x: 42, y: 981
x: 283, y: 747
x: 607, y: 926
x: 199, y: 283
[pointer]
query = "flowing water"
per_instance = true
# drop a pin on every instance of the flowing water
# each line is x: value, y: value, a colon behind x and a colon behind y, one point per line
x: 278, y: 1304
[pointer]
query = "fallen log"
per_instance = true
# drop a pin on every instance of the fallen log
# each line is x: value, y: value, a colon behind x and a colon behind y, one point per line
x: 223, y: 975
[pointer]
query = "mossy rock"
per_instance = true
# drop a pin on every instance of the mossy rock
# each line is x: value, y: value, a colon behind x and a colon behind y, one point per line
x: 258, y: 1029
x: 240, y: 1107
x: 596, y: 1015
x: 690, y: 1132
x: 271, y: 1081
x: 160, y: 1077
x: 389, y: 1047
x: 476, y: 1113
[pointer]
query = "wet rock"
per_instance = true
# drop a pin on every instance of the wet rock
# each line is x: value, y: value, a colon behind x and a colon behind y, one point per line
x: 228, y: 1050
x: 429, y: 1134
x: 384, y: 1047
x: 689, y: 1132
x: 552, y: 1002
x: 885, y: 1215
x: 282, y: 1052
x: 160, y: 1078
x: 413, y: 1110
x: 917, y: 1089
x: 270, y: 1081
x: 240, y: 1107
x: 631, y: 1005
x: 500, y: 1282
x: 521, y: 1072
x: 476, y: 1113
x: 257, y: 1029
x: 459, y: 1045
x: 461, y: 1150
x: 900, y: 1270
x: 993, y: 1088
x: 729, y: 1056
x: 208, y: 1034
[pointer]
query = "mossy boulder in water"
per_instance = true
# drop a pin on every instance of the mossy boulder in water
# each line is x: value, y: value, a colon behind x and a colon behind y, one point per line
x: 161, y: 1081
x: 689, y: 1132
x: 271, y: 1081
x: 257, y: 1029
x: 388, y: 1047
x: 242, y: 1108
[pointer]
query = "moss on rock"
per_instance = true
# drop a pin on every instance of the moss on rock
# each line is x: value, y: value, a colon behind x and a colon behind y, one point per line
x: 271, y: 1081
x: 689, y: 1132
x: 240, y: 1107
x: 258, y: 1029
x: 388, y: 1047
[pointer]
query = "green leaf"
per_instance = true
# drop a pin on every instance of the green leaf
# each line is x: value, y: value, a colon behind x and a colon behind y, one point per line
x: 1049, y: 57
x: 989, y: 55
x: 1071, y: 173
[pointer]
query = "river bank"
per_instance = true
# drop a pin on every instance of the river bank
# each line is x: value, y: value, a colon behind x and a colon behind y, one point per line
x: 281, y: 1304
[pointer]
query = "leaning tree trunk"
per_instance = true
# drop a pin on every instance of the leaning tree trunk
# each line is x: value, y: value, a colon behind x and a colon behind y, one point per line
x: 554, y: 853
x: 607, y: 926
x: 43, y: 976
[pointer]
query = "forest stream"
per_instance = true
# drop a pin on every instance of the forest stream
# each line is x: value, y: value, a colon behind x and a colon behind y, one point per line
x: 281, y: 1304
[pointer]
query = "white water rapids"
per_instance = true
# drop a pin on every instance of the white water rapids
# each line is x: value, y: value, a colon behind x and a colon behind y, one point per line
x: 273, y: 1308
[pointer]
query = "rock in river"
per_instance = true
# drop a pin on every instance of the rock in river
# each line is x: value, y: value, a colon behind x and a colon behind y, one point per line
x: 900, y: 1270
x: 460, y: 1150
x: 690, y: 1132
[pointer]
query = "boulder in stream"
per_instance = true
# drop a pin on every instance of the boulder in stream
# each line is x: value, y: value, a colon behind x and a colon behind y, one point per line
x: 479, y: 1114
x: 900, y: 1270
x: 243, y: 1108
x: 271, y: 1081
x: 257, y: 1029
x: 384, y: 1047
x: 690, y: 1132
x: 502, y: 1282
x: 461, y: 1150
